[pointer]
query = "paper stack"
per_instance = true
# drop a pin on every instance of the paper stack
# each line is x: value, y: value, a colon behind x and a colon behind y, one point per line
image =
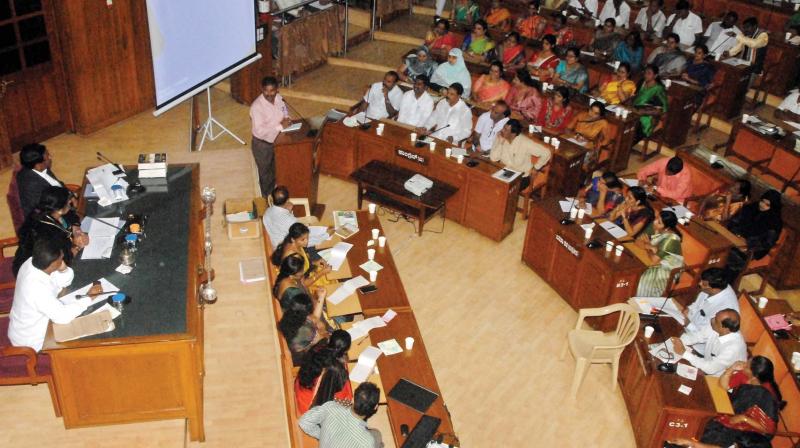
x: 348, y: 288
x: 366, y: 363
x: 361, y: 328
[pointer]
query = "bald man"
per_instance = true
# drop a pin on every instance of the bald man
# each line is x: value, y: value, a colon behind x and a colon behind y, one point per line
x: 724, y: 344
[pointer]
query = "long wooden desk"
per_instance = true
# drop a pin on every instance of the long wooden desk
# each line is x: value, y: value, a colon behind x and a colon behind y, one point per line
x: 150, y: 367
x: 785, y: 271
x: 294, y: 164
x: 482, y: 203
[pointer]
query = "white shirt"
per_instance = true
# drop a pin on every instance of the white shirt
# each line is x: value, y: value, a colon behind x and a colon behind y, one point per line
x: 458, y: 117
x: 790, y: 103
x: 705, y: 307
x: 48, y: 178
x: 277, y: 221
x: 591, y: 5
x: 377, y: 105
x: 658, y: 21
x: 415, y: 111
x: 36, y: 303
x: 718, y: 41
x: 720, y: 352
x: 686, y: 28
x: 488, y: 129
x: 623, y: 18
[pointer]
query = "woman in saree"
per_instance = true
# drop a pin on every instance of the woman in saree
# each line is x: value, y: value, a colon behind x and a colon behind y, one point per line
x: 467, y: 12
x: 631, y: 51
x: 664, y: 249
x: 669, y: 58
x: 295, y: 243
x: 512, y: 53
x: 419, y: 63
x: 543, y: 63
x: 699, y: 72
x: 635, y: 212
x: 532, y: 23
x: 477, y: 44
x: 498, y: 16
x: 525, y: 96
x: 650, y: 101
x: 591, y: 125
x: 556, y: 113
x: 440, y: 39
x: 606, y: 38
x: 491, y: 87
x: 756, y: 401
x: 570, y: 73
x: 452, y: 71
x: 619, y: 89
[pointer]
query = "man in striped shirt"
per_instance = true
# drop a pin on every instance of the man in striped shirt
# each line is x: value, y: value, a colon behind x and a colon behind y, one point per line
x: 336, y: 425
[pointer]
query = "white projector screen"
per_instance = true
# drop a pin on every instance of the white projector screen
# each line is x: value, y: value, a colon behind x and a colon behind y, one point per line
x: 196, y: 43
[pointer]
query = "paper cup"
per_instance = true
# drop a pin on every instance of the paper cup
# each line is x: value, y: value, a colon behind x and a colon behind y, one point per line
x: 788, y: 36
x: 379, y: 131
x: 718, y: 57
x: 667, y: 83
x: 371, y: 254
x: 619, y: 249
x: 432, y: 145
x: 546, y: 140
x: 531, y: 128
x: 648, y: 331
x: 624, y: 114
x: 373, y: 276
x: 556, y: 143
x: 588, y: 233
x: 713, y: 158
x: 573, y: 213
x: 381, y: 241
x: 581, y: 213
x: 762, y: 302
x: 372, y: 207
x: 413, y: 137
x: 409, y: 343
x: 447, y: 152
x: 609, y: 246
x: 375, y: 234
x: 745, y: 118
x: 460, y: 158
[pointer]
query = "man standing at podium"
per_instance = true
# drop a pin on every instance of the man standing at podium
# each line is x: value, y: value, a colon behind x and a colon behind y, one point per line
x: 269, y: 116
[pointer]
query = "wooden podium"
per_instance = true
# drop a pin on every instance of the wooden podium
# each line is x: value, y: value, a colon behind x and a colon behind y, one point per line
x: 295, y: 167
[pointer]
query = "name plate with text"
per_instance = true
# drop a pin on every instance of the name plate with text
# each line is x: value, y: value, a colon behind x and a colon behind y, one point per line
x: 412, y: 156
x: 570, y: 248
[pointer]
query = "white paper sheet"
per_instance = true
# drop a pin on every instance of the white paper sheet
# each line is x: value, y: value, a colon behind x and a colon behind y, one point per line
x: 389, y: 315
x: 615, y: 230
x: 668, y: 307
x: 348, y: 288
x: 366, y: 362
x: 631, y: 182
x: 338, y: 255
x: 317, y: 234
x: 107, y: 286
x: 101, y: 237
x: 687, y: 371
x: 792, y: 124
x: 390, y: 347
x: 114, y: 312
x: 371, y: 266
x: 661, y: 350
x: 679, y: 210
x: 684, y: 389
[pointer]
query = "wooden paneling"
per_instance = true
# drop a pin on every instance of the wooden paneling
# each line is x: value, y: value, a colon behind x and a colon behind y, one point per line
x: 246, y: 83
x: 338, y: 151
x: 106, y: 52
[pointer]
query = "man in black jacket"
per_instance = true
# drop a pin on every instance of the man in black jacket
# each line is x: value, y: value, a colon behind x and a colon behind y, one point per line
x: 35, y: 175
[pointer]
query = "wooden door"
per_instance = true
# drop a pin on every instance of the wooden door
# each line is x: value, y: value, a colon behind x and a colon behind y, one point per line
x: 33, y: 101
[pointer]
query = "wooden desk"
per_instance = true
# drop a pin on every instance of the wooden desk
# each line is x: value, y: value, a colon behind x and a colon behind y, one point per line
x: 151, y: 366
x: 294, y: 165
x: 413, y: 365
x: 733, y: 90
x: 680, y: 107
x: 785, y: 271
x: 384, y: 184
x: 658, y: 412
x: 482, y: 203
x: 584, y: 277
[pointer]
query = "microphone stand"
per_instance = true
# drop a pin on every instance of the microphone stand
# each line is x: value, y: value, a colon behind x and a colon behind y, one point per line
x: 302, y: 118
x: 103, y: 158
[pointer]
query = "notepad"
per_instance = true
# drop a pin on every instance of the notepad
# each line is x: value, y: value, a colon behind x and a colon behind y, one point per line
x: 390, y: 347
x: 348, y: 288
x: 108, y: 288
x: 687, y: 371
x: 615, y: 230
x: 371, y: 266
x: 366, y: 363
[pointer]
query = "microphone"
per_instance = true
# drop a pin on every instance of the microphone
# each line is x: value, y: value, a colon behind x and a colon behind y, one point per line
x: 302, y: 118
x: 441, y: 129
x: 720, y: 44
x: 568, y: 220
x: 667, y: 366
x: 81, y: 296
x: 103, y: 158
x: 105, y: 223
x: 366, y: 124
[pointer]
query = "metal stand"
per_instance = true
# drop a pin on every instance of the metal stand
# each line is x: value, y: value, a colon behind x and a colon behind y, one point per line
x: 208, y: 126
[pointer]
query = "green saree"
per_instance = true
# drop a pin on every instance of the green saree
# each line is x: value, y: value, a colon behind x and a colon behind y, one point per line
x: 655, y: 95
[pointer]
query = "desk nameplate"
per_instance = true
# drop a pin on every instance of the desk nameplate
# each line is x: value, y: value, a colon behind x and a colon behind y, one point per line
x: 411, y: 156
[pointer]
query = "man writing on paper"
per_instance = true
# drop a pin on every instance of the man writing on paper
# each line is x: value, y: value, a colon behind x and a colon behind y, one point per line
x: 724, y: 345
x: 715, y: 295
x: 514, y: 151
x: 269, y: 116
x: 671, y: 180
x: 39, y: 282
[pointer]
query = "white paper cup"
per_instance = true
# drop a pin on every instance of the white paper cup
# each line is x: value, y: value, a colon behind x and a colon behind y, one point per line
x: 460, y: 158
x: 619, y: 249
x: 788, y: 36
x: 573, y: 213
x: 581, y: 213
x: 546, y: 139
x: 432, y: 145
x: 379, y: 131
x: 718, y: 57
x: 624, y: 114
x: 556, y: 143
x: 371, y: 254
x: 588, y: 233
x: 713, y: 158
x: 413, y: 137
x: 531, y: 128
x: 616, y: 65
x: 609, y: 246
x: 409, y: 343
x: 648, y: 331
x: 762, y: 302
x: 375, y: 234
x: 447, y: 152
x: 372, y: 207
x: 667, y: 83
x: 373, y: 276
x: 745, y: 118
x: 381, y: 241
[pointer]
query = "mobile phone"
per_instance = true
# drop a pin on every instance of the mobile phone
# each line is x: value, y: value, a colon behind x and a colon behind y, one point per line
x: 368, y: 289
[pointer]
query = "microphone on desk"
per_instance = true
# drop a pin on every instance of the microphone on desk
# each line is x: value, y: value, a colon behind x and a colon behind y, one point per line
x: 667, y: 367
x: 103, y: 158
x: 311, y: 132
x: 719, y: 44
x: 567, y: 221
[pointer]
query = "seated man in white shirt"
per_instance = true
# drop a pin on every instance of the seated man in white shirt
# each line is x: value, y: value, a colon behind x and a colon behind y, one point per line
x: 724, y: 345
x: 716, y: 36
x: 417, y: 105
x: 279, y: 216
x: 515, y: 151
x: 686, y: 24
x: 716, y: 294
x: 452, y: 118
x: 39, y: 282
x: 619, y: 10
x: 651, y: 20
x: 489, y: 124
x: 382, y: 100
x: 789, y: 109
x: 585, y: 8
